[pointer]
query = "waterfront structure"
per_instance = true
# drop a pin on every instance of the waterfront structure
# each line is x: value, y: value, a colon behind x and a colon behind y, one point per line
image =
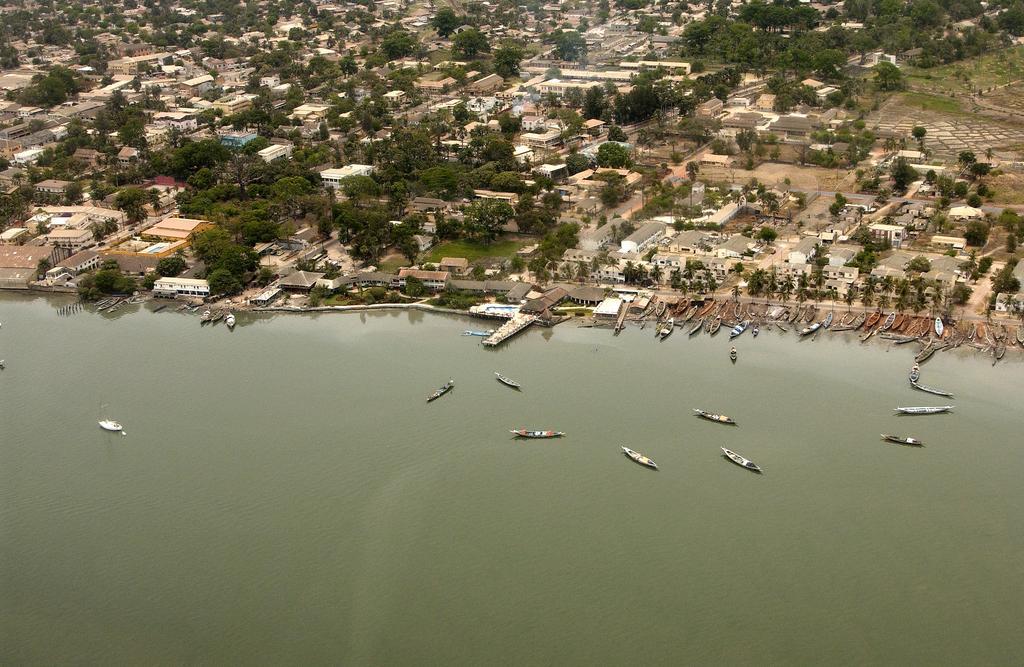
x: 175, y: 287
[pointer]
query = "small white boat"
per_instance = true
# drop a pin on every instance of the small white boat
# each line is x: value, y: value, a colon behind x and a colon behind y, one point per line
x: 924, y: 410
x: 915, y: 373
x: 508, y: 382
x: 741, y: 461
x: 639, y: 458
x: 733, y: 354
x: 111, y: 425
x: 939, y: 327
x: 900, y: 440
x: 527, y: 433
x: 756, y: 330
x: 230, y: 320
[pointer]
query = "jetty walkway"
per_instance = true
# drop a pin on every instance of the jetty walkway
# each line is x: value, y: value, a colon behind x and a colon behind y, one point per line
x: 518, y: 323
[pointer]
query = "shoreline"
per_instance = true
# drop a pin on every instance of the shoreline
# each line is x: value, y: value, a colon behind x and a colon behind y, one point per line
x: 582, y: 322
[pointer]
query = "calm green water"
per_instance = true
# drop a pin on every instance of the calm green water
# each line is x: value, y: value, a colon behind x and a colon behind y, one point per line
x: 285, y: 496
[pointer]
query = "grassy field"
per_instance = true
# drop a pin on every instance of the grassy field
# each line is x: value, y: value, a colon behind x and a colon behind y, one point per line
x: 472, y: 251
x: 961, y: 78
x: 928, y: 102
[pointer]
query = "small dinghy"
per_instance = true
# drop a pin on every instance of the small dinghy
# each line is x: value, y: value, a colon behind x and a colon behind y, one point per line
x: 925, y: 410
x: 710, y: 416
x: 441, y: 391
x: 900, y: 440
x: 527, y: 433
x: 639, y: 458
x: 741, y: 461
x: 508, y: 382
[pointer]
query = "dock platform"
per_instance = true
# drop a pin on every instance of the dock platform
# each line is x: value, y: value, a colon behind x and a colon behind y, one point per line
x: 514, y: 326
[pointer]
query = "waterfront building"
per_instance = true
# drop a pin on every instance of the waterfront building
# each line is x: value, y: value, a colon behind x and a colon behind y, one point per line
x: 175, y: 287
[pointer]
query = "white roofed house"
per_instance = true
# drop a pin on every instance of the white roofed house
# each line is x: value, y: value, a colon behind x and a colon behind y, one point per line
x: 332, y: 178
x: 737, y: 246
x: 643, y: 237
x: 804, y: 251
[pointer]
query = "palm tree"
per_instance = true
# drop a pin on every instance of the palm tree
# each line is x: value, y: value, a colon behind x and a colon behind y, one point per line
x: 786, y: 288
x: 849, y: 297
x: 656, y: 273
x: 736, y: 292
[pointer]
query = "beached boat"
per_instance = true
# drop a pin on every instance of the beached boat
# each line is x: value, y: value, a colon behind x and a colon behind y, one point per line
x: 739, y: 329
x: 716, y: 325
x: 639, y: 458
x: 888, y: 321
x: 925, y: 354
x: 806, y: 331
x: 741, y: 461
x: 827, y: 322
x: 900, y: 440
x: 939, y: 328
x: 974, y: 331
x: 527, y: 433
x: 508, y: 382
x: 441, y: 391
x: 710, y: 416
x: 1000, y: 351
x: 666, y: 329
x: 230, y: 320
x: 205, y: 317
x: 915, y: 373
x: 691, y: 311
x: 924, y: 410
x: 695, y: 329
x: 858, y: 322
x: 873, y: 319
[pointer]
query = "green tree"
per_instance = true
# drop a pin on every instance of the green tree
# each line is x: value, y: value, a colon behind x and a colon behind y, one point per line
x: 470, y: 43
x: 170, y: 266
x: 888, y: 77
x: 570, y: 45
x: 132, y: 202
x: 613, y: 155
x: 222, y: 281
x: 506, y: 60
x: 485, y: 218
x: 445, y: 21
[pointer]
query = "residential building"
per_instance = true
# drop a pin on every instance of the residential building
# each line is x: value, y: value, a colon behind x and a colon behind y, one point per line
x: 52, y: 186
x: 175, y: 229
x: 68, y: 241
x: 804, y: 251
x: 237, y: 139
x: 643, y: 237
x: 456, y: 265
x: 432, y: 280
x: 891, y: 234
x: 332, y: 178
x: 275, y: 152
x: 734, y: 248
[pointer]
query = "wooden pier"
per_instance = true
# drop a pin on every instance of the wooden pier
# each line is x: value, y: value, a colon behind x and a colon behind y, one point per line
x: 518, y: 323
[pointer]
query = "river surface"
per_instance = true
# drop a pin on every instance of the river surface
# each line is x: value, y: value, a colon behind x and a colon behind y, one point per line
x: 285, y: 495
